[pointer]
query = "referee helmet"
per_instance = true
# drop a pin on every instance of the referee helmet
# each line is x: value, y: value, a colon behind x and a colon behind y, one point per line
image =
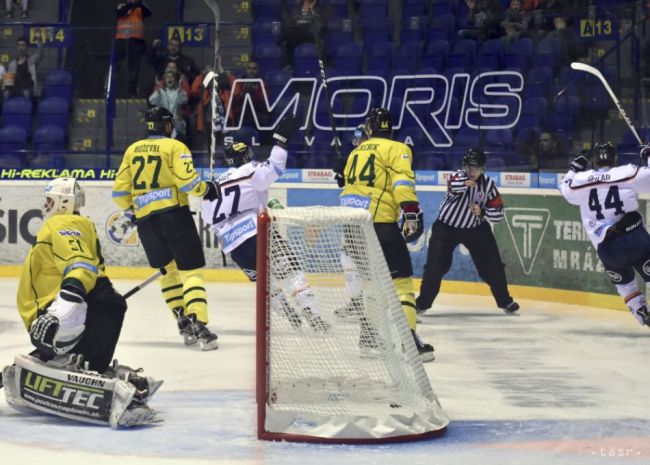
x: 474, y: 158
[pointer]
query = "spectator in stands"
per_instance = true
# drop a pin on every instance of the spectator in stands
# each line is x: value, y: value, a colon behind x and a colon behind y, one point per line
x: 20, y: 79
x: 300, y: 27
x: 171, y: 97
x: 516, y: 20
x: 549, y: 154
x: 571, y: 47
x: 129, y: 39
x: 23, y: 4
x: 484, y: 19
x: 172, y: 67
x: 256, y: 93
x: 160, y: 58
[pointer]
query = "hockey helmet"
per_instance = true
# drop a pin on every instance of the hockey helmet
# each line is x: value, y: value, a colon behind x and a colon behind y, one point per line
x: 157, y: 119
x: 379, y: 123
x: 604, y: 154
x: 360, y: 135
x: 474, y: 158
x: 63, y: 196
x: 237, y: 153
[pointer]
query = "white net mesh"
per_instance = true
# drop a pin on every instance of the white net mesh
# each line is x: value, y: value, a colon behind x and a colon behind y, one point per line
x: 338, y: 341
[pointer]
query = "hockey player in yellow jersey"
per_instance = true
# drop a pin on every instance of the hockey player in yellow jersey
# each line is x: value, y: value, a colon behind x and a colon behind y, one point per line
x: 379, y: 178
x: 64, y: 297
x: 154, y: 180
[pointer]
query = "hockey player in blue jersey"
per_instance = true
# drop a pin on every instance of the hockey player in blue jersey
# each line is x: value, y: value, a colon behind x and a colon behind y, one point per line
x: 608, y: 199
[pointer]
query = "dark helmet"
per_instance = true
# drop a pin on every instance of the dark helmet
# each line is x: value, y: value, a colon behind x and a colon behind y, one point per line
x: 237, y: 153
x: 474, y: 157
x: 379, y: 123
x: 156, y: 119
x: 604, y: 154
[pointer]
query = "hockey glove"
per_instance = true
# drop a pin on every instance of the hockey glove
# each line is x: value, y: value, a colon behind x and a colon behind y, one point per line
x: 285, y: 129
x: 213, y: 192
x: 579, y: 163
x: 58, y: 330
x: 413, y: 221
x: 645, y: 154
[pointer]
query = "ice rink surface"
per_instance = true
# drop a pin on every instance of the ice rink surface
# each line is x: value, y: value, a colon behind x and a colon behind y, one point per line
x: 559, y: 384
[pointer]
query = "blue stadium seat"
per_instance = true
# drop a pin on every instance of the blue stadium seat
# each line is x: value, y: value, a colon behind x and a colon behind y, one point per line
x: 537, y: 106
x: 518, y: 55
x: 467, y: 137
x: 568, y: 81
x: 442, y: 27
x: 462, y: 55
x: 54, y: 111
x: 380, y: 56
x: 376, y: 30
x: 267, y: 9
x: 338, y: 32
x: 58, y: 83
x: 565, y: 114
x: 268, y: 56
x: 275, y: 81
x: 413, y: 29
x: 409, y: 56
x: 495, y: 163
x: 414, y: 8
x: 334, y: 8
x: 373, y: 9
x: 547, y: 53
x: 538, y: 82
x: 48, y: 137
x: 348, y: 59
x: 501, y: 138
x: 436, y: 54
x: 489, y: 54
x: 13, y: 139
x: 305, y: 60
x: 17, y: 111
x: 266, y: 31
x: 442, y: 7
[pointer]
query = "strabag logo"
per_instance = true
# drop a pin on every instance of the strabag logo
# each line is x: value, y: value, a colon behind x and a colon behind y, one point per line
x: 527, y: 227
x: 435, y: 104
x: 121, y: 230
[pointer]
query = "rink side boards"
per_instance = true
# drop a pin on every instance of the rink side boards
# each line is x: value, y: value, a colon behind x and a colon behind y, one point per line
x: 16, y: 221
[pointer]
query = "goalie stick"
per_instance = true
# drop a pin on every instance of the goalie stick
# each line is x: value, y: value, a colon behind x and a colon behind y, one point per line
x: 595, y: 72
x: 128, y: 294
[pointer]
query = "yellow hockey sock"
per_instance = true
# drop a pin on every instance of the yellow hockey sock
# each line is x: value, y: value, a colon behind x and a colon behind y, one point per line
x: 172, y: 287
x: 194, y: 295
x: 404, y: 288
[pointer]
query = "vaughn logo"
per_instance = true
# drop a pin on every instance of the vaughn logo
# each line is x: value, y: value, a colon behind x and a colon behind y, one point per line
x: 435, y: 104
x: 527, y: 227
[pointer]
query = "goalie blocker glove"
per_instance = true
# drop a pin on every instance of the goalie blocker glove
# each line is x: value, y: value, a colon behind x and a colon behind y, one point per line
x: 60, y: 327
x: 285, y: 130
x: 413, y: 221
x: 579, y: 163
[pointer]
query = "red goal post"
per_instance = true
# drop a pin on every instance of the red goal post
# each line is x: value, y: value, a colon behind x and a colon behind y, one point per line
x: 334, y: 383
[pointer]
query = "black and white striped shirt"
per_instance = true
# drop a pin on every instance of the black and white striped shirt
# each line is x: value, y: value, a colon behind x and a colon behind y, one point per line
x: 455, y: 209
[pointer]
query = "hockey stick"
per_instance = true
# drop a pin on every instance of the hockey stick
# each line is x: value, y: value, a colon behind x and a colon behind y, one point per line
x: 217, y: 107
x: 595, y: 72
x: 338, y: 167
x: 145, y: 283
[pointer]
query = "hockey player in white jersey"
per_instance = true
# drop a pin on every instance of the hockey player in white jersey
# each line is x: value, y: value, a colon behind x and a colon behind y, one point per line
x: 233, y: 218
x: 608, y: 199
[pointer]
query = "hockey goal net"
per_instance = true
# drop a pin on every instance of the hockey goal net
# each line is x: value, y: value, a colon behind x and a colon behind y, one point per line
x: 353, y: 374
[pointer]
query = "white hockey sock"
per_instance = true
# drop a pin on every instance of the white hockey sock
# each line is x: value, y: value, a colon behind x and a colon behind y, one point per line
x: 632, y: 297
x: 352, y: 281
x: 301, y: 291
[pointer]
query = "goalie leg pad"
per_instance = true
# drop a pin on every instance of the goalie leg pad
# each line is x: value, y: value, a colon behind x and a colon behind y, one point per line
x: 72, y: 393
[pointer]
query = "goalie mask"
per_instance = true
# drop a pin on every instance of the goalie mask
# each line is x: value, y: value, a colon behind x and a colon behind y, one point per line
x: 156, y: 119
x: 237, y: 154
x: 63, y: 196
x: 604, y: 154
x: 379, y: 123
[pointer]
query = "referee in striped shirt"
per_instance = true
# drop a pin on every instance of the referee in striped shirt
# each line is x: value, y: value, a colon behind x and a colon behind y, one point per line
x: 471, y: 202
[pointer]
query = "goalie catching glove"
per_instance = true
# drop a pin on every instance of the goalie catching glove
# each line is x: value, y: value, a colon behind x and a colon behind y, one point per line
x: 285, y: 130
x: 60, y: 328
x: 412, y: 221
